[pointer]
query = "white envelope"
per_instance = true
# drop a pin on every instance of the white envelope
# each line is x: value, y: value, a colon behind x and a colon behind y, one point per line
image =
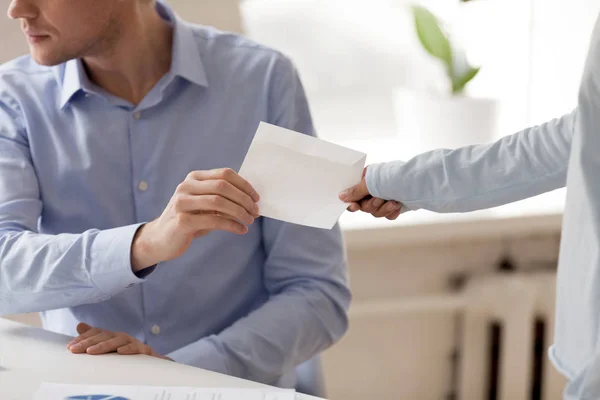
x: 299, y: 177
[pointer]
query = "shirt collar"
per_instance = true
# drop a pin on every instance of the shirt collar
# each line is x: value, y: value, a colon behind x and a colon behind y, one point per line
x: 74, y: 79
x: 185, y: 62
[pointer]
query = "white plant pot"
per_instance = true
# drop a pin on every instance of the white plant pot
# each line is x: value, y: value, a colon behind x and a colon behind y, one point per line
x: 428, y: 121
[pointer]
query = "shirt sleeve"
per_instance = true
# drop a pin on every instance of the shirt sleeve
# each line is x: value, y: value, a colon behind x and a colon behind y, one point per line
x: 42, y: 272
x: 305, y: 273
x: 513, y: 168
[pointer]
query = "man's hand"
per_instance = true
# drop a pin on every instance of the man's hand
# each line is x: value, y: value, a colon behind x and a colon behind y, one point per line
x: 360, y: 199
x: 98, y: 341
x: 205, y: 201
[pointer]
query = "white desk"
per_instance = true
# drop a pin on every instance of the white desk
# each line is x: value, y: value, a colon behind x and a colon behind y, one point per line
x: 29, y: 356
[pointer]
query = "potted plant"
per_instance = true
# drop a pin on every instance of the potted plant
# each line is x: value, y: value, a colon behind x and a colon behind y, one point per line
x: 452, y: 118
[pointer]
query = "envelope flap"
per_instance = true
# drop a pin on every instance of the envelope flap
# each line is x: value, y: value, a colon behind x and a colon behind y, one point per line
x: 308, y: 145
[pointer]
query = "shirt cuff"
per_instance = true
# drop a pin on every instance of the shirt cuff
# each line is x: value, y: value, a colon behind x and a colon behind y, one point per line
x: 381, y: 180
x: 373, y: 180
x: 111, y: 260
x: 204, y: 353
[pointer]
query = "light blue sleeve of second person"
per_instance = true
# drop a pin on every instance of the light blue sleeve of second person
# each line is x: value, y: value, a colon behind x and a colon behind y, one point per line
x: 516, y: 167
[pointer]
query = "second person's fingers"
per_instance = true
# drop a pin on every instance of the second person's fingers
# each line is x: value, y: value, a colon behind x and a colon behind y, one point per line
x: 355, y: 193
x: 353, y: 207
x: 394, y: 216
x: 369, y: 205
x: 386, y: 209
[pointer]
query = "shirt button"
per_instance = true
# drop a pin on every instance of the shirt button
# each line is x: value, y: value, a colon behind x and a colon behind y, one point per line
x: 143, y: 186
x: 137, y: 115
x: 155, y: 330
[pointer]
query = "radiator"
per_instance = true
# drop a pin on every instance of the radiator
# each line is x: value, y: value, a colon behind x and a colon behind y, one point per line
x: 505, y: 323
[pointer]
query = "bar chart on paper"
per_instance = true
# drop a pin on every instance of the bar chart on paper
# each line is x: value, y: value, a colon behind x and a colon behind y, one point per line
x: 50, y: 391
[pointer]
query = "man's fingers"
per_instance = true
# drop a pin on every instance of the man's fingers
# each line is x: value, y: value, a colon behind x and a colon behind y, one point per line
x: 128, y: 349
x: 212, y: 222
x: 83, y: 328
x: 228, y: 175
x: 135, y: 348
x: 110, y: 345
x: 83, y: 345
x: 220, y: 188
x: 213, y: 204
x: 87, y: 334
x: 205, y: 231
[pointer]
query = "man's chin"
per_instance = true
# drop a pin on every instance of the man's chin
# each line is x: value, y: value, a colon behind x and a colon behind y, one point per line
x: 47, y: 59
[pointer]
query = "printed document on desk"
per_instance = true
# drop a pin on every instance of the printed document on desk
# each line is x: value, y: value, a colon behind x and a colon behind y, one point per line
x: 299, y: 177
x: 52, y: 391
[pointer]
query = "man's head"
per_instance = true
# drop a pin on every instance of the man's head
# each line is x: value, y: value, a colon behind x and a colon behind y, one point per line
x: 61, y: 30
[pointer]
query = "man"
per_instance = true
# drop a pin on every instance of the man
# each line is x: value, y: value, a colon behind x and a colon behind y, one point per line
x: 118, y: 103
x: 528, y: 163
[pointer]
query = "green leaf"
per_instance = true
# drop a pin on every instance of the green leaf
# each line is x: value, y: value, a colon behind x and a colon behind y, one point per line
x: 431, y: 36
x: 458, y: 84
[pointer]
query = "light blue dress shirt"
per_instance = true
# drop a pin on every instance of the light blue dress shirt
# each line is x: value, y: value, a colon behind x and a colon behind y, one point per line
x: 564, y: 151
x: 80, y: 170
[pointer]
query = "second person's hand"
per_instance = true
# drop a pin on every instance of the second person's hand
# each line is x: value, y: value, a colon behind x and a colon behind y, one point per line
x: 359, y: 199
x: 205, y: 201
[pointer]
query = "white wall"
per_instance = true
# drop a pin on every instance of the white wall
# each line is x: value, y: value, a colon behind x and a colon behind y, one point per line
x: 353, y: 53
x: 560, y: 46
x: 12, y: 42
x: 223, y: 14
